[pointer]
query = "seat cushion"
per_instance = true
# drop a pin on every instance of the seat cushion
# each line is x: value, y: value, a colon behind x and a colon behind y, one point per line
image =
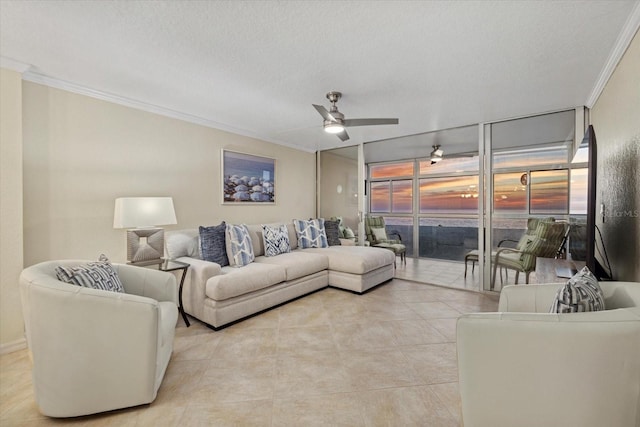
x: 298, y: 263
x: 355, y: 259
x: 239, y: 281
x: 397, y: 248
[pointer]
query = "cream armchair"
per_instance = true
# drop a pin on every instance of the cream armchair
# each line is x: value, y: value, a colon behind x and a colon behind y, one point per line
x: 94, y: 350
x: 525, y: 367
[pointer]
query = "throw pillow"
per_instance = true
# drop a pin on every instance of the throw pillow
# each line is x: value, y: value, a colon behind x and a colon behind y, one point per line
x: 276, y: 240
x: 212, y: 244
x: 348, y: 233
x: 581, y: 293
x: 97, y: 275
x: 310, y: 233
x: 332, y: 230
x: 379, y: 233
x: 239, y: 245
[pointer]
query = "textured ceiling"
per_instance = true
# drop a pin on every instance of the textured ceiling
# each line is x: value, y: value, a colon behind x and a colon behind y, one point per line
x: 255, y: 67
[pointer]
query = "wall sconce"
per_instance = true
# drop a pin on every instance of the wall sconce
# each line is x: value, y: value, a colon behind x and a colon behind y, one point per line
x: 141, y: 216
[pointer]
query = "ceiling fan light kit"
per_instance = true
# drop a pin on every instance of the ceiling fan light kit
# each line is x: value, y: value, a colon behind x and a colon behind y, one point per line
x: 436, y: 154
x: 335, y: 123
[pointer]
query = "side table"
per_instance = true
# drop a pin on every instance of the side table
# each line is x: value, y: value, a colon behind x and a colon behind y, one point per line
x: 171, y: 265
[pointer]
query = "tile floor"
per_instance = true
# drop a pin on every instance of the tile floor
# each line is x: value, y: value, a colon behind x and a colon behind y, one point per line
x: 332, y: 358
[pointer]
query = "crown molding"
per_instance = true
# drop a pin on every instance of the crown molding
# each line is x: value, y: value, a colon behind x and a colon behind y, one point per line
x: 625, y: 37
x: 12, y: 64
x: 53, y: 82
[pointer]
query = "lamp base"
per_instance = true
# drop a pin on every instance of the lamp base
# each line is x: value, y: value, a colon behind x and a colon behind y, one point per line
x: 145, y: 244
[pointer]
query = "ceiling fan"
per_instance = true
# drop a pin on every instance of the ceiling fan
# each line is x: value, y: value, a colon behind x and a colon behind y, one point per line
x: 335, y: 123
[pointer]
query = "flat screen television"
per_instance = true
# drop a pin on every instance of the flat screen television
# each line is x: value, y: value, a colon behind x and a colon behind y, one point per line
x: 592, y: 209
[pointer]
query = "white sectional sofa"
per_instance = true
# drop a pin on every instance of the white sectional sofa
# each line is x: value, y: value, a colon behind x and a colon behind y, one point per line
x: 219, y: 295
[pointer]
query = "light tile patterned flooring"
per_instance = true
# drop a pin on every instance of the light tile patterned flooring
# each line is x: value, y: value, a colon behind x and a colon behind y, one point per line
x: 332, y: 358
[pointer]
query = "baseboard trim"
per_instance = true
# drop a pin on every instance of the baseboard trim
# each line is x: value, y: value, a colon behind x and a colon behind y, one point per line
x: 12, y: 346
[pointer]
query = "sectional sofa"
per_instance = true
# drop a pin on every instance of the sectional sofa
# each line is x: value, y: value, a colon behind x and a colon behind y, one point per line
x: 219, y: 295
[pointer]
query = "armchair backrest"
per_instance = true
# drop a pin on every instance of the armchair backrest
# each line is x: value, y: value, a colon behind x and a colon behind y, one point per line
x: 542, y: 239
x: 372, y: 221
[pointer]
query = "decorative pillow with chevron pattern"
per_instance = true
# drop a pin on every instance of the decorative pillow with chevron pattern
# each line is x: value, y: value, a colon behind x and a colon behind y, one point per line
x: 310, y: 233
x: 239, y: 246
x: 276, y: 240
x: 97, y: 275
x: 581, y: 293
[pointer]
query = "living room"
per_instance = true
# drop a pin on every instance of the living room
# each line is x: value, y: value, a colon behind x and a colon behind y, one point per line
x: 70, y: 149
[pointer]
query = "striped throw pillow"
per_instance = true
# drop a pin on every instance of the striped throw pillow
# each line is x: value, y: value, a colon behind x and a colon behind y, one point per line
x: 310, y: 233
x: 239, y: 246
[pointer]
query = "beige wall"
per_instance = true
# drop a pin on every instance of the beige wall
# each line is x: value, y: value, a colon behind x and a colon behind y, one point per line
x: 81, y: 153
x: 339, y: 170
x: 11, y: 324
x: 616, y: 121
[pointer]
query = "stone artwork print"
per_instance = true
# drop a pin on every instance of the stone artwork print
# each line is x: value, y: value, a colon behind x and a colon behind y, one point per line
x: 248, y: 178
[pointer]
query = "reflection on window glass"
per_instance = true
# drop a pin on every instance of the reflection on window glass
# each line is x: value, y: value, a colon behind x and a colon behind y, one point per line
x: 582, y: 155
x: 447, y: 238
x: 449, y: 165
x: 509, y: 192
x: 549, y: 192
x: 391, y: 170
x: 380, y: 197
x: 578, y: 202
x: 404, y: 226
x: 402, y: 196
x: 530, y: 157
x: 453, y: 194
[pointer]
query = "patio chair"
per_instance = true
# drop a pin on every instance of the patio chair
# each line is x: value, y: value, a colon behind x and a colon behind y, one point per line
x: 377, y: 235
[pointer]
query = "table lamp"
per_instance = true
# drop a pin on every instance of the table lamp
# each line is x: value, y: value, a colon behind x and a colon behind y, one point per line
x: 141, y: 216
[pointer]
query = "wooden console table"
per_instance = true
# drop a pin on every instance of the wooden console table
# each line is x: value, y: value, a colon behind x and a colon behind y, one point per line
x: 546, y: 269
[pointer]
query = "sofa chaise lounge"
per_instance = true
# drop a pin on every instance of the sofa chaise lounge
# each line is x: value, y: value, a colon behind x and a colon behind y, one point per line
x: 219, y: 295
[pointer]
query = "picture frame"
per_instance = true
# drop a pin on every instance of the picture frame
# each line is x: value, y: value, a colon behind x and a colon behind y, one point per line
x: 247, y: 179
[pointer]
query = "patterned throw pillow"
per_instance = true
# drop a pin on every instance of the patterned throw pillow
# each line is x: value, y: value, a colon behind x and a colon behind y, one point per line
x: 310, y: 233
x: 212, y: 244
x: 96, y: 275
x: 348, y: 233
x: 239, y: 246
x: 581, y: 293
x: 276, y: 240
x: 332, y: 230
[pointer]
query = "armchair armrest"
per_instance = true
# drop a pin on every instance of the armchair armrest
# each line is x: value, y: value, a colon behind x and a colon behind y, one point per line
x: 146, y: 282
x: 395, y: 233
x: 505, y: 241
x: 530, y: 298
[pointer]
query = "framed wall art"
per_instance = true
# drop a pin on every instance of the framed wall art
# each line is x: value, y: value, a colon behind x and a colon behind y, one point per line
x: 247, y: 178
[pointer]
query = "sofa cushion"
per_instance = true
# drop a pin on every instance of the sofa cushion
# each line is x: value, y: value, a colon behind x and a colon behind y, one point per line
x: 581, y: 293
x: 332, y: 230
x: 276, y: 240
x: 239, y: 245
x: 310, y: 233
x: 239, y: 281
x: 97, y: 275
x: 298, y: 263
x: 181, y: 243
x: 213, y: 244
x: 355, y: 259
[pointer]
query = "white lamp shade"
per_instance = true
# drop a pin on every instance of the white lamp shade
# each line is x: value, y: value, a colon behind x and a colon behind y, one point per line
x: 137, y: 212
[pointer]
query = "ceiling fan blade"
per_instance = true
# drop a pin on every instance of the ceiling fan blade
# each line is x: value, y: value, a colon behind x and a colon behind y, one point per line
x: 343, y: 135
x: 324, y: 113
x: 370, y: 122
